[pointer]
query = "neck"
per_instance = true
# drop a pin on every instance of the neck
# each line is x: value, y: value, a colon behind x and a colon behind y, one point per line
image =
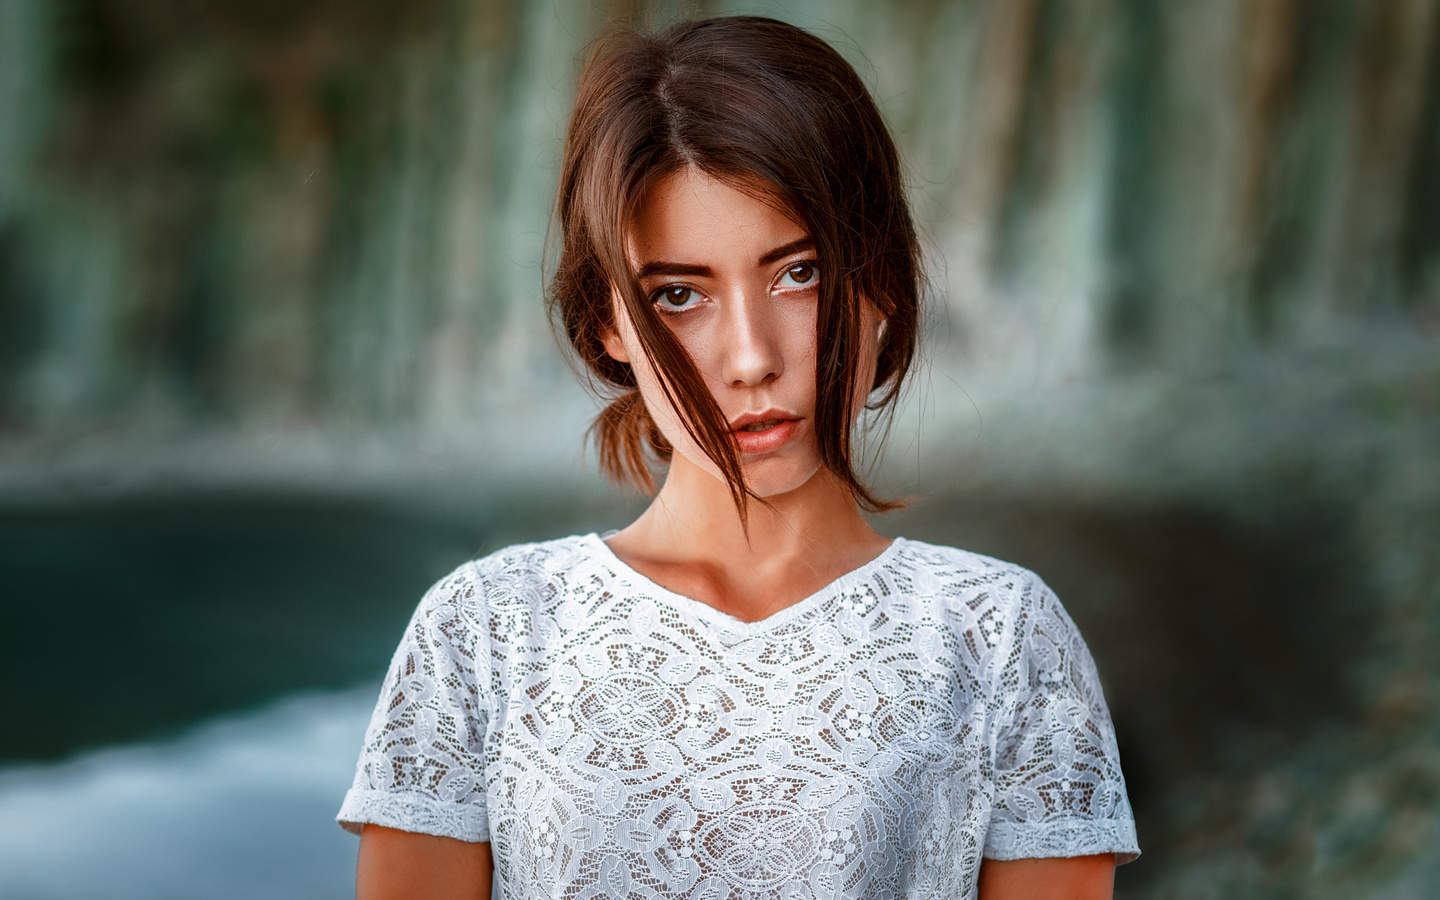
x: 691, y: 540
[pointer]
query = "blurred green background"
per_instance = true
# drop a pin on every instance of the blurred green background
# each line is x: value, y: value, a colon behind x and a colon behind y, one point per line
x: 273, y: 358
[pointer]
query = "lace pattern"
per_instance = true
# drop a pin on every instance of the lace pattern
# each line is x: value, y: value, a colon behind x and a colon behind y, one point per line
x: 611, y: 738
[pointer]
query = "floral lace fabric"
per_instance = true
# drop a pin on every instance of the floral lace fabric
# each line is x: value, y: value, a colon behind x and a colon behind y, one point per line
x: 613, y: 739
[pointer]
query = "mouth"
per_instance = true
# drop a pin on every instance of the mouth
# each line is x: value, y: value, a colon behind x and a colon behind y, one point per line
x: 752, y: 423
x: 764, y: 432
x: 766, y: 425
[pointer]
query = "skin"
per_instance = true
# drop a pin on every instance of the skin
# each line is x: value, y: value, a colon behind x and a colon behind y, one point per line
x: 748, y: 321
x: 750, y: 328
x: 400, y: 864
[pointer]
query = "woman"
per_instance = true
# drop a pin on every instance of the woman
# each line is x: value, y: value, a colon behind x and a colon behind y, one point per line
x: 747, y: 692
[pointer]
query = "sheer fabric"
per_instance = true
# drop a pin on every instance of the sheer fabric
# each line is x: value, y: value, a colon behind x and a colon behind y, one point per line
x: 613, y: 739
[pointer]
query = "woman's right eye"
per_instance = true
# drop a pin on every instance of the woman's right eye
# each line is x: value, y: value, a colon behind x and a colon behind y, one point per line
x: 674, y: 298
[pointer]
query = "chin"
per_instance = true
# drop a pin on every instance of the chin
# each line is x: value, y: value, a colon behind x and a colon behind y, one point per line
x: 767, y: 477
x: 768, y: 482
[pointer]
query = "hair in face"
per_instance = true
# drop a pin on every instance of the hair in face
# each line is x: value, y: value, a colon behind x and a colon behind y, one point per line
x: 772, y: 110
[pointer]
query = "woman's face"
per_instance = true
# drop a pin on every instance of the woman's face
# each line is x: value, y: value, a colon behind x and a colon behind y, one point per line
x: 736, y: 282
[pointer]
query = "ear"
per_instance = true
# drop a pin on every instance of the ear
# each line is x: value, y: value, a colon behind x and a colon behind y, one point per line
x: 614, y: 347
x: 610, y: 334
x: 881, y: 323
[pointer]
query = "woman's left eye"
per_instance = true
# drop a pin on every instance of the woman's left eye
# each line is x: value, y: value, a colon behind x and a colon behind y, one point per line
x: 800, y: 275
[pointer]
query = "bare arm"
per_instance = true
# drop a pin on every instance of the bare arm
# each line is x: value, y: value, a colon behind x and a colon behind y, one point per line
x: 1072, y: 878
x: 395, y: 864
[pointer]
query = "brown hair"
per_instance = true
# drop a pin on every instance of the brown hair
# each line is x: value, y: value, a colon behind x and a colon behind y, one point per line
x: 770, y: 109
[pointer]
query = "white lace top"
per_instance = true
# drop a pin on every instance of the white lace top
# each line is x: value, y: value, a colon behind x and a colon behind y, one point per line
x: 611, y: 738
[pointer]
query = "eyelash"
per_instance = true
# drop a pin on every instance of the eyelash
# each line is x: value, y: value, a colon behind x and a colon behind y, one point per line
x: 658, y: 296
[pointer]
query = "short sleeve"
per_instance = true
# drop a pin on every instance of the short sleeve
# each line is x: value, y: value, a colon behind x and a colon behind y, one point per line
x: 421, y: 767
x: 1058, y: 789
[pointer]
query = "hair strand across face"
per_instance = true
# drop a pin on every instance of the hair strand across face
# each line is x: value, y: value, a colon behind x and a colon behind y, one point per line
x: 772, y: 110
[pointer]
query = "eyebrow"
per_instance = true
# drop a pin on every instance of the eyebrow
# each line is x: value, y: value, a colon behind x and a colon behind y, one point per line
x: 780, y: 253
x: 665, y: 267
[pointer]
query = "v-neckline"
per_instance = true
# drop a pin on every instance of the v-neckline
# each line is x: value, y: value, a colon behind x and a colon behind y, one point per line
x: 704, y: 611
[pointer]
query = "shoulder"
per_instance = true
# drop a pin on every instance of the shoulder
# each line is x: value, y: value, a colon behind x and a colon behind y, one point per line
x: 541, y: 559
x: 953, y: 576
x: 520, y: 574
x: 510, y: 589
x: 1004, y: 609
x: 944, y: 558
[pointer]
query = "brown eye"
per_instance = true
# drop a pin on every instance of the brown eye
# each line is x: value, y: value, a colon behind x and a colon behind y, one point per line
x: 800, y: 275
x: 674, y: 298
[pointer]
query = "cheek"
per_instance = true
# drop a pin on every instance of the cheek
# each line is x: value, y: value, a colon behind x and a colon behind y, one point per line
x: 868, y: 362
x: 624, y: 345
x: 666, y: 418
x: 799, y: 339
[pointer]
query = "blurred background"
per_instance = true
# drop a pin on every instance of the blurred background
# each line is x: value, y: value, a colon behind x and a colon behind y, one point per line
x: 273, y: 358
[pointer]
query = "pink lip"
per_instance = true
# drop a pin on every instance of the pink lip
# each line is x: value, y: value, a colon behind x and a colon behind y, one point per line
x: 772, y: 438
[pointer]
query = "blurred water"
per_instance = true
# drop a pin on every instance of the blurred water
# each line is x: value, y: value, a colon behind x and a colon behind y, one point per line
x: 144, y: 640
x: 152, y: 611
x: 239, y: 807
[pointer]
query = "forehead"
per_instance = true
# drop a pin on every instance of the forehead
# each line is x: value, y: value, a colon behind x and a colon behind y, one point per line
x: 689, y: 215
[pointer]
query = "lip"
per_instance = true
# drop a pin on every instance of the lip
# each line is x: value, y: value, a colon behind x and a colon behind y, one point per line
x: 773, y: 438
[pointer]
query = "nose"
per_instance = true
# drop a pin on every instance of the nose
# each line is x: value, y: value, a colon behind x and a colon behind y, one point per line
x: 752, y: 351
